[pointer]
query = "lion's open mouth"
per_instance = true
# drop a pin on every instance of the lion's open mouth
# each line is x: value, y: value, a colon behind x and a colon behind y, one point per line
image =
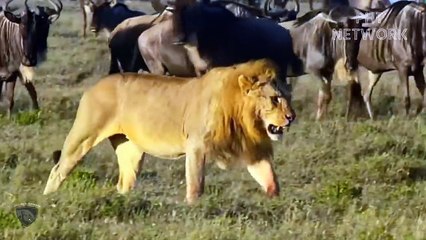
x: 275, y: 132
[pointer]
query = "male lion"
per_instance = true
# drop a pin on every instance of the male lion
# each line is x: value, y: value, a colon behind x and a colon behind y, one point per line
x: 230, y: 114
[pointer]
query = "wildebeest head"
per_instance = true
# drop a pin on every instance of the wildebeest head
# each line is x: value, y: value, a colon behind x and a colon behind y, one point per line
x: 196, y: 18
x: 34, y: 29
x: 282, y: 14
x: 97, y: 8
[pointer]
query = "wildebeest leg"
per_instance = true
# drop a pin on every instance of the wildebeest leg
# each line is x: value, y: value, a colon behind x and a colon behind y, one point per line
x: 324, y: 96
x: 1, y: 89
x: 130, y: 160
x: 194, y: 174
x: 83, y: 9
x: 33, y: 94
x: 373, y: 79
x: 200, y: 66
x: 421, y: 86
x: 403, y: 87
x: 10, y: 93
x: 311, y: 5
x: 264, y: 174
x: 354, y: 93
x: 113, y: 67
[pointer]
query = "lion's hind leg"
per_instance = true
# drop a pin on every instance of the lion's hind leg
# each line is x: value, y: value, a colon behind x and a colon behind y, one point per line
x: 130, y: 160
x: 92, y: 124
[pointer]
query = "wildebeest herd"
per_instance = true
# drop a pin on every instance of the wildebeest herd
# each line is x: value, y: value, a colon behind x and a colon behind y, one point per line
x: 189, y: 39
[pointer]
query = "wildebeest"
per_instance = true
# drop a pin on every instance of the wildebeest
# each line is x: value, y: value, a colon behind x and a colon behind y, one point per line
x: 222, y: 39
x: 320, y: 50
x: 359, y: 4
x: 23, y: 44
x: 123, y: 42
x: 155, y: 44
x: 161, y: 55
x: 85, y: 10
x: 406, y: 54
x: 108, y: 15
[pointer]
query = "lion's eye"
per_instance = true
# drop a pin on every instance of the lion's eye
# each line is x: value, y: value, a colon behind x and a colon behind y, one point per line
x: 275, y: 100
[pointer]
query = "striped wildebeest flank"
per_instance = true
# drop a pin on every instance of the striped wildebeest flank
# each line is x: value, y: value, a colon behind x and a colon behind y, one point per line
x: 23, y: 45
x: 359, y: 4
x: 108, y: 14
x: 321, y: 51
x: 404, y: 50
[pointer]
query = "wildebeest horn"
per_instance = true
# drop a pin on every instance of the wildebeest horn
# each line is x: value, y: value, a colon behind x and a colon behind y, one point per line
x: 26, y: 5
x: 279, y: 13
x: 111, y: 2
x: 6, y: 6
x: 57, y: 8
x: 326, y: 18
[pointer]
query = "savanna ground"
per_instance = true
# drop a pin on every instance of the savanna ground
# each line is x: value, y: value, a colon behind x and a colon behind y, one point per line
x: 339, y: 180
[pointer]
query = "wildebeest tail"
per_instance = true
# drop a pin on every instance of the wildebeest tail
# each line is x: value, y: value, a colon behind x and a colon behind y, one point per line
x: 113, y: 67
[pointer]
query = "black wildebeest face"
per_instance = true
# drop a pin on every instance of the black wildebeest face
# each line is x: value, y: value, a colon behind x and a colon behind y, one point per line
x: 43, y: 19
x: 34, y: 29
x: 26, y: 21
x: 200, y: 19
x: 97, y: 9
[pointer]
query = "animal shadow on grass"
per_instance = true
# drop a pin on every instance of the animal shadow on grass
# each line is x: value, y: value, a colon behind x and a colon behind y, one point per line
x: 416, y: 173
x: 383, y: 108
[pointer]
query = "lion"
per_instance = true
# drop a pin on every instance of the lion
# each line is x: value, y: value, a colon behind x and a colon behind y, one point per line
x: 230, y: 114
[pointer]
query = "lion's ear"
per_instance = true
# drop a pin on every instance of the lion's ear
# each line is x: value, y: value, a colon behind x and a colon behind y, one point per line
x: 270, y: 74
x: 245, y: 84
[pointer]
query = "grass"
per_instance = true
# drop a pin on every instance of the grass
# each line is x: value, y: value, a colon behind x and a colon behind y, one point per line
x: 340, y: 180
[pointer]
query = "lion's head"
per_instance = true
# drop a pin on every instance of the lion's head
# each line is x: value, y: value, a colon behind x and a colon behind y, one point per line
x: 251, y: 110
x: 270, y: 105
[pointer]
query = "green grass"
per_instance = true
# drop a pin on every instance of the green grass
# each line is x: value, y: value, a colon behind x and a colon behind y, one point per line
x: 339, y: 180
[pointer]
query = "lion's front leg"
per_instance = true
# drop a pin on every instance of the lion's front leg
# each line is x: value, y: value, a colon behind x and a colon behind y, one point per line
x: 264, y: 174
x: 194, y: 172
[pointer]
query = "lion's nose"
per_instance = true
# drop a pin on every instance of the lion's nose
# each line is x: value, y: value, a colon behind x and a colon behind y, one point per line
x: 290, y: 119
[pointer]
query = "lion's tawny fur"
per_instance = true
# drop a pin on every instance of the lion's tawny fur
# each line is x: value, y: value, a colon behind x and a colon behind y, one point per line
x: 170, y: 117
x: 27, y: 73
x: 342, y: 74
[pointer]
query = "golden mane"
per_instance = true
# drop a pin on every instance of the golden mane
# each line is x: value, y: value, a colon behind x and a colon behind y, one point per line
x: 235, y: 126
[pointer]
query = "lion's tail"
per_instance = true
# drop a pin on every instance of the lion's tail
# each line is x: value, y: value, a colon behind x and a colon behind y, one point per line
x: 56, y: 155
